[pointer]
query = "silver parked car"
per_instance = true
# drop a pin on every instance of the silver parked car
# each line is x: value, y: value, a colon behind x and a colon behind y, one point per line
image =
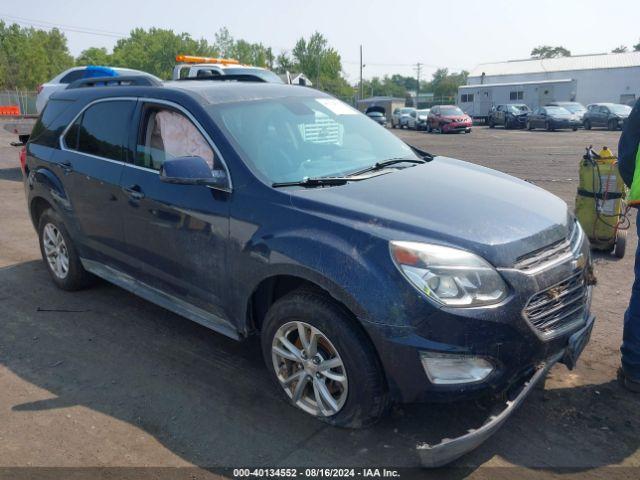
x: 61, y: 81
x: 400, y: 117
x: 418, y: 119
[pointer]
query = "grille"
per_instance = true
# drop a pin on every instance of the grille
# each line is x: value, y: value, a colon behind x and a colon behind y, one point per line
x: 544, y: 256
x: 560, y: 307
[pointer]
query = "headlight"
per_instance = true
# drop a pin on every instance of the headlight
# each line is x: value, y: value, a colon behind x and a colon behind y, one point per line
x: 449, y: 276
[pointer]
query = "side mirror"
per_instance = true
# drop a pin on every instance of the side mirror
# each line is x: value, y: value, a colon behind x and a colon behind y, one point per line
x: 191, y: 171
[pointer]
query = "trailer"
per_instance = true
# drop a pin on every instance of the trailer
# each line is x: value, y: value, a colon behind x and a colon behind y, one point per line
x: 20, y: 125
x: 478, y: 100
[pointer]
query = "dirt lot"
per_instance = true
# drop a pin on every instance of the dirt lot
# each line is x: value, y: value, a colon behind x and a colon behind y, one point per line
x: 103, y: 378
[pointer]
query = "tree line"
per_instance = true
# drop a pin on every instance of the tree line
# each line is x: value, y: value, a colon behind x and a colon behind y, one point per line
x: 30, y: 56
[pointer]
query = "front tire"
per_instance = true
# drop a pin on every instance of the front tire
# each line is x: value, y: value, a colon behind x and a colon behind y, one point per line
x: 613, y: 125
x: 587, y: 125
x: 322, y: 361
x: 59, y: 253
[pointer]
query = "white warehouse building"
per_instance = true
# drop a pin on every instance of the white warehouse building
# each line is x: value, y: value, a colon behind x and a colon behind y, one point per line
x: 607, y: 77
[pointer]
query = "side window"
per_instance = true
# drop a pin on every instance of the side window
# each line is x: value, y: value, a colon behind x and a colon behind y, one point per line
x: 72, y: 76
x: 103, y: 130
x: 166, y: 133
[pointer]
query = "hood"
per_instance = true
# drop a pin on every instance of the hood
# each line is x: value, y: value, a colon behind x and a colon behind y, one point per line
x: 450, y: 202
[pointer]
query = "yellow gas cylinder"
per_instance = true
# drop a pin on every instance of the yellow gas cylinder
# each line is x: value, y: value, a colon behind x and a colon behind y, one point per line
x: 600, y: 199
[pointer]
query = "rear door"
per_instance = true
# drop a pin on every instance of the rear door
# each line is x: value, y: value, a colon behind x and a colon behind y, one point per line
x: 92, y: 153
x: 176, y: 235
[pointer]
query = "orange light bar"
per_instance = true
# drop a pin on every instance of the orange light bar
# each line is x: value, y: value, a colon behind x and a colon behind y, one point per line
x: 194, y: 59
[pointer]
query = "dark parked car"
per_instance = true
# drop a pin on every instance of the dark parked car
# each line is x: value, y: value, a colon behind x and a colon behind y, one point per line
x: 373, y: 272
x: 607, y: 115
x: 447, y: 119
x: 510, y: 115
x: 377, y: 117
x: 574, y: 107
x: 552, y: 118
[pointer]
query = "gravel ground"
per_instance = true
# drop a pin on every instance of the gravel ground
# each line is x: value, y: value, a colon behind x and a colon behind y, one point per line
x: 101, y: 378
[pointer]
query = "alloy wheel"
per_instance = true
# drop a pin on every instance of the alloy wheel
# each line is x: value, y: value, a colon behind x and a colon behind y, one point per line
x: 309, y: 369
x: 55, y: 250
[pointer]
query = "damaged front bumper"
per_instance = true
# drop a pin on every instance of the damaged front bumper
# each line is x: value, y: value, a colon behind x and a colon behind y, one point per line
x: 449, y: 449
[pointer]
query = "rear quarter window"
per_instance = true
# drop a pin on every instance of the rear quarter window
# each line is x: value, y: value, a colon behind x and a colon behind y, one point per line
x: 72, y: 76
x: 52, y: 122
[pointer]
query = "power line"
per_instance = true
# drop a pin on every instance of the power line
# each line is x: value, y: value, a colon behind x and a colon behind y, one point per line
x: 67, y: 28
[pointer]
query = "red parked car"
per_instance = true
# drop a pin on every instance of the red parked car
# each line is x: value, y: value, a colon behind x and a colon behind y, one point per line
x: 448, y: 118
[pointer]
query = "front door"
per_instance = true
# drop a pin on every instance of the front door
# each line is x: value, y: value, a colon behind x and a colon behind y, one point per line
x: 176, y: 234
x: 92, y: 157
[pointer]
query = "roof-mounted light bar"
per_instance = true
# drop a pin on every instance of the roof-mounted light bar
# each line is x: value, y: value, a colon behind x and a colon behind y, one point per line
x: 195, y: 59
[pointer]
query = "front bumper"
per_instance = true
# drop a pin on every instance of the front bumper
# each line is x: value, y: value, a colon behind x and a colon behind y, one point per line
x: 456, y: 126
x: 565, y: 123
x: 450, y: 449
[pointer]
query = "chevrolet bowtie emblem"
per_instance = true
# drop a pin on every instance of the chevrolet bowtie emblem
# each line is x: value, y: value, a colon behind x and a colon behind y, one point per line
x: 554, y: 293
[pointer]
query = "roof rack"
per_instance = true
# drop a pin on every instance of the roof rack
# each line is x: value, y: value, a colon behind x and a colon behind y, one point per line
x: 239, y: 77
x: 120, y: 81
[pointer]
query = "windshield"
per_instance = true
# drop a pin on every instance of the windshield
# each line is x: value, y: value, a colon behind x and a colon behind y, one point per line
x: 406, y: 110
x: 423, y: 113
x: 266, y: 75
x: 518, y: 109
x: 288, y: 139
x: 375, y: 114
x: 573, y: 107
x: 557, y: 111
x: 451, y: 111
x: 620, y: 109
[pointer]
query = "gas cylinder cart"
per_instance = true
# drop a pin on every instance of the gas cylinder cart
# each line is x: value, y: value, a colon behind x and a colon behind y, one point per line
x: 601, y: 206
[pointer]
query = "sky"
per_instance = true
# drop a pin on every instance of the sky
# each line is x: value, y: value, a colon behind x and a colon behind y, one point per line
x: 395, y: 34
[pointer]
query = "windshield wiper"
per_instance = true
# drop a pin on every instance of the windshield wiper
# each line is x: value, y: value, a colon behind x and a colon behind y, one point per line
x: 313, y: 182
x: 387, y: 163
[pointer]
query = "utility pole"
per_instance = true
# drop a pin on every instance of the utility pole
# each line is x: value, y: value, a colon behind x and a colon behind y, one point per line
x: 361, y: 84
x: 418, y: 67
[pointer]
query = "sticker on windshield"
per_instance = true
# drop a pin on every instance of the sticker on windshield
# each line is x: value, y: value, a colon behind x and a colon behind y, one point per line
x: 336, y: 106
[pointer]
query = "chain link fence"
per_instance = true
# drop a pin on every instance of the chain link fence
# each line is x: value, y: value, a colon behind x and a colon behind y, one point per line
x: 24, y: 100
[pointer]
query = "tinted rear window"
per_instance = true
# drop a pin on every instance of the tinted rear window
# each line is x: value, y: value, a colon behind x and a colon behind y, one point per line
x: 104, y: 129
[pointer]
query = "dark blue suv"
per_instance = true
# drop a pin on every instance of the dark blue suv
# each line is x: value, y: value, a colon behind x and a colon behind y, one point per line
x: 372, y: 271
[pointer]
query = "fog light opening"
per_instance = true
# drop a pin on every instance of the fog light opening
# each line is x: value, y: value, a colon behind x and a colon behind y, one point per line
x: 449, y: 369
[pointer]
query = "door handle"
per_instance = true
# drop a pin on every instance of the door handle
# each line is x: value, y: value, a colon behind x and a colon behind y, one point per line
x: 66, y: 166
x: 134, y: 192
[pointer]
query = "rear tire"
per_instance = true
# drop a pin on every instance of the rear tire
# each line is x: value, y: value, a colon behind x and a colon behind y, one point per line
x: 612, y: 125
x: 363, y: 383
x: 492, y: 123
x: 587, y: 125
x: 59, y: 253
x: 548, y: 127
x: 529, y: 127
